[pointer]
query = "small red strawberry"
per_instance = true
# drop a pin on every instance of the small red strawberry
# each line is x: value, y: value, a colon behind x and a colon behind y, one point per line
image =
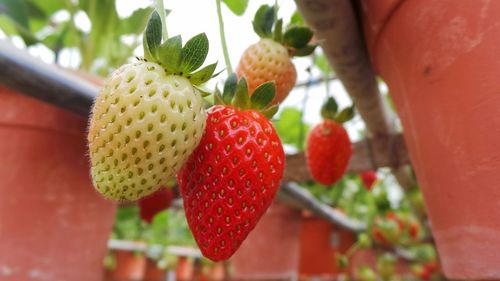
x: 368, y: 178
x: 414, y: 230
x: 328, y: 146
x: 421, y: 272
x: 270, y: 58
x: 153, y: 204
x: 231, y: 178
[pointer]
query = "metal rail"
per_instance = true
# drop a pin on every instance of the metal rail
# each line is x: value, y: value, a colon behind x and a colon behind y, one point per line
x: 21, y: 72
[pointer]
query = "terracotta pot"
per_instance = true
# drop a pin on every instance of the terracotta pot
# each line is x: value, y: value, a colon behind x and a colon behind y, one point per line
x: 53, y: 226
x: 439, y: 60
x: 271, y: 250
x: 320, y: 242
x: 153, y: 272
x: 129, y: 266
x: 184, y: 270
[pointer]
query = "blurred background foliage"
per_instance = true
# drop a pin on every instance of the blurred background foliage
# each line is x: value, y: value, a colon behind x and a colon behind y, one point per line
x: 106, y: 44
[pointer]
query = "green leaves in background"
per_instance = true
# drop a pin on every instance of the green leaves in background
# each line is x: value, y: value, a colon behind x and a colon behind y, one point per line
x: 322, y: 64
x: 167, y: 228
x: 101, y: 48
x: 289, y: 128
x: 128, y: 225
x: 238, y: 7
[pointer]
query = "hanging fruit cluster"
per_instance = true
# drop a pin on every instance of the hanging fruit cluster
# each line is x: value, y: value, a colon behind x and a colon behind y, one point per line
x: 149, y: 125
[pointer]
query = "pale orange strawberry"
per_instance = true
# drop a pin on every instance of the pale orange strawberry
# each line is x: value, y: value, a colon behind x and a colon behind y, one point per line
x: 270, y: 58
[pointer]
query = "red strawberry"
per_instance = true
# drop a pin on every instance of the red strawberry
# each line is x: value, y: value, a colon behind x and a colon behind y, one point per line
x: 328, y: 146
x: 232, y: 177
x: 414, y: 230
x: 368, y: 178
x: 328, y: 152
x: 270, y: 58
x: 153, y: 204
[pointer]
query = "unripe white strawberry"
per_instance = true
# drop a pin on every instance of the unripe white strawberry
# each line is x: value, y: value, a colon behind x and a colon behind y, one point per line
x: 144, y: 126
x: 149, y: 116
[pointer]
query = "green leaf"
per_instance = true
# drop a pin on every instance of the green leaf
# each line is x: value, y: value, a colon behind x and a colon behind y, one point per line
x: 16, y: 10
x: 152, y: 36
x: 229, y: 88
x: 241, y: 98
x: 48, y: 7
x: 329, y: 109
x: 135, y: 23
x: 278, y: 31
x: 218, y: 73
x: 203, y: 91
x: 169, y: 54
x: 238, y: 7
x: 297, y: 37
x: 296, y: 19
x: 218, y: 97
x: 321, y: 62
x: 263, y: 95
x: 18, y: 13
x: 304, y: 52
x: 203, y: 75
x: 194, y: 53
x: 345, y: 115
x: 290, y: 127
x: 263, y: 21
x: 34, y: 11
x: 270, y: 112
x: 7, y: 25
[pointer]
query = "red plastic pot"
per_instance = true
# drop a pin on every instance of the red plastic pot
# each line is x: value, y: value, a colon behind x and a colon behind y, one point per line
x: 153, y: 272
x: 53, y: 225
x: 439, y: 59
x: 129, y: 266
x: 320, y: 242
x: 271, y: 250
x: 184, y: 270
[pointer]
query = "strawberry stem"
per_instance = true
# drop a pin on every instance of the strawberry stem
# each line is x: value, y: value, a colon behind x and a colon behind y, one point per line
x: 222, y: 35
x: 161, y: 11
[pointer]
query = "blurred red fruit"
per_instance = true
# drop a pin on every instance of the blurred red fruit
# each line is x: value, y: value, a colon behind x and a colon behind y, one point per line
x: 151, y: 205
x: 368, y: 178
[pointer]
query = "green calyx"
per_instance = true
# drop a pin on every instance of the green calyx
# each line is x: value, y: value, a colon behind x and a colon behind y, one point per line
x: 330, y: 111
x: 295, y: 38
x: 235, y: 93
x: 173, y: 57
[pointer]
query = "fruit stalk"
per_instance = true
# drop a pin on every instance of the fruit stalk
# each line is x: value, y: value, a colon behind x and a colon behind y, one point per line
x: 223, y: 42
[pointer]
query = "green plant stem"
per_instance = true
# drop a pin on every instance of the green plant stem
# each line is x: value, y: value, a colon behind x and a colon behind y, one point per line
x: 304, y: 104
x: 222, y: 35
x: 276, y: 9
x: 161, y: 11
